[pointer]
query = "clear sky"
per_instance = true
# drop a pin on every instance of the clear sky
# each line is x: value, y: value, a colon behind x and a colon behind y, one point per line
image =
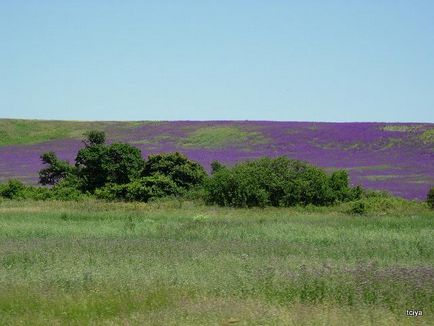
x: 307, y: 60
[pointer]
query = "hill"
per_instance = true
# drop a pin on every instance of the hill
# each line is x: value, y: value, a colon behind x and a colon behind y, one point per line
x: 397, y: 157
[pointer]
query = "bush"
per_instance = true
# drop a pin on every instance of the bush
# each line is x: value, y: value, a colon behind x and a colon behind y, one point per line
x: 156, y: 186
x: 14, y: 189
x: 185, y: 173
x: 339, y: 185
x: 37, y: 193
x: 358, y: 208
x: 89, y: 162
x: 430, y: 198
x: 98, y: 164
x: 56, y: 170
x: 94, y: 137
x: 122, y: 163
x: 276, y: 182
x: 68, y: 189
x: 143, y: 189
x: 216, y: 166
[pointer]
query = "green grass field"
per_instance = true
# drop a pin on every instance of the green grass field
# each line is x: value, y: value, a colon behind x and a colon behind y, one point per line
x: 183, y: 263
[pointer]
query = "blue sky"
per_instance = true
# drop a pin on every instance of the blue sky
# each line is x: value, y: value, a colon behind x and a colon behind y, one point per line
x: 217, y: 60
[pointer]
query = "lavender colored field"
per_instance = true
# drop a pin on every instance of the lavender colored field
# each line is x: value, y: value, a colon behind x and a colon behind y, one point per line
x: 394, y: 157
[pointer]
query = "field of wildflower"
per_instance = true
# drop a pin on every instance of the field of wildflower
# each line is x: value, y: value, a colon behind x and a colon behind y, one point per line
x: 398, y: 158
x: 178, y: 262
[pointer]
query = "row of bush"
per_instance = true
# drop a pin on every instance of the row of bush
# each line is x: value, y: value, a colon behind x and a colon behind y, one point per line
x: 119, y: 172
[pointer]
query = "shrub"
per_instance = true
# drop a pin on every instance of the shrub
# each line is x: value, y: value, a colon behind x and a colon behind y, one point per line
x: 56, y: 170
x: 94, y: 137
x: 184, y: 172
x: 339, y: 184
x: 112, y: 192
x: 143, y: 189
x: 276, y: 182
x: 237, y: 188
x: 430, y: 198
x: 37, y: 193
x: 89, y: 162
x: 14, y: 189
x: 216, y: 166
x: 98, y: 164
x: 122, y: 163
x: 358, y: 208
x: 68, y: 189
x: 155, y: 186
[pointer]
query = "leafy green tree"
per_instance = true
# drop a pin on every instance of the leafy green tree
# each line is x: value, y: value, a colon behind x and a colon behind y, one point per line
x: 56, y: 170
x: 14, y: 189
x: 184, y: 172
x: 276, y: 182
x: 89, y: 163
x: 122, y: 163
x: 98, y: 164
x: 94, y: 137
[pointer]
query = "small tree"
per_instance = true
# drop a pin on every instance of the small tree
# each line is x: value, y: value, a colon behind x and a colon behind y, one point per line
x: 14, y: 189
x: 56, y: 170
x: 94, y: 137
x: 338, y: 183
x: 430, y: 198
x: 122, y: 163
x: 89, y: 164
x: 184, y: 172
x: 98, y: 164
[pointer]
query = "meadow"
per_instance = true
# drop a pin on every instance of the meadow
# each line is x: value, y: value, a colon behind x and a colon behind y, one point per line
x: 396, y: 157
x: 179, y: 262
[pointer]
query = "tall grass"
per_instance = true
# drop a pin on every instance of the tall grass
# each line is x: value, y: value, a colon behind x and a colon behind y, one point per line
x: 174, y: 262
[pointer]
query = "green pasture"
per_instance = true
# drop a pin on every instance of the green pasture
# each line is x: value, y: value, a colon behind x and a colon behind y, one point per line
x: 183, y: 263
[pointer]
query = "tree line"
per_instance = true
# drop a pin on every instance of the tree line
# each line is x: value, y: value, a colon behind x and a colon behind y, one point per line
x: 118, y: 171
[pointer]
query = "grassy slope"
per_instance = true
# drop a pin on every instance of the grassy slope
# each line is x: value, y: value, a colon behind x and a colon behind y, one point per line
x: 14, y: 132
x: 183, y: 263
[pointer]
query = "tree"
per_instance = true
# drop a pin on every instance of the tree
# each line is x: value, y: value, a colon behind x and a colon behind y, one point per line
x: 98, y: 164
x: 89, y: 164
x: 94, y: 137
x: 184, y: 172
x: 56, y: 170
x: 122, y: 163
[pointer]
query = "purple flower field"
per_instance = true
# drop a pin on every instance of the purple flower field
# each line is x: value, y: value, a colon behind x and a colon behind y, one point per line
x: 395, y: 157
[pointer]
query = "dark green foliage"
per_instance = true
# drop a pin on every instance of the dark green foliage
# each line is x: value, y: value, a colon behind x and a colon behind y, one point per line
x: 89, y: 164
x: 14, y: 189
x: 155, y: 186
x: 89, y: 161
x: 68, y: 189
x: 94, y: 137
x: 358, y: 208
x: 216, y: 166
x: 122, y: 163
x: 64, y: 190
x: 112, y: 192
x: 237, y: 187
x: 118, y: 171
x: 143, y: 189
x: 56, y: 170
x: 277, y: 182
x: 430, y: 198
x: 184, y: 172
x: 356, y: 193
x: 339, y: 184
x: 98, y: 164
